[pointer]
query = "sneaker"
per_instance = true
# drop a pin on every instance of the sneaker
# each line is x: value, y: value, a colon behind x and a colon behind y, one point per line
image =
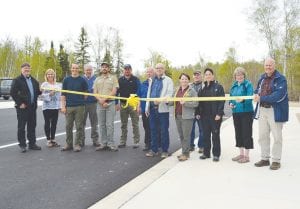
x: 113, y: 148
x: 275, y: 166
x: 101, y: 147
x: 192, y: 149
x: 244, y: 160
x: 151, y: 154
x: 22, y: 149
x: 135, y: 146
x: 96, y: 144
x: 200, y: 150
x: 35, y: 147
x: 67, y: 148
x: 216, y: 159
x: 262, y: 163
x: 164, y: 155
x: 203, y: 157
x: 237, y: 158
x: 121, y: 145
x: 178, y: 156
x: 77, y: 148
x: 183, y: 158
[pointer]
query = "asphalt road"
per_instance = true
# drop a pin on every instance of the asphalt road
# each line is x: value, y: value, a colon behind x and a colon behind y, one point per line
x: 52, y: 179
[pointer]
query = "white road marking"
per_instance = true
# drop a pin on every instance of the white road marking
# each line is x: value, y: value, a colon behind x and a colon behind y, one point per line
x: 11, y: 104
x: 44, y: 137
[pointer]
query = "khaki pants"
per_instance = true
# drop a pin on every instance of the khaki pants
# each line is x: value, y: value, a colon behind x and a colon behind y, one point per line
x: 124, y: 114
x: 267, y: 124
x: 106, y: 124
x: 74, y: 114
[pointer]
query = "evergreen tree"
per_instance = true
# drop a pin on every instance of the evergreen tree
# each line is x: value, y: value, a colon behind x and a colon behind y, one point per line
x: 63, y: 59
x: 50, y: 60
x: 81, y: 54
x: 108, y: 58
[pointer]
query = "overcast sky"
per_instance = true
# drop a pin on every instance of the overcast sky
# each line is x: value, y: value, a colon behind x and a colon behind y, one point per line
x: 179, y: 29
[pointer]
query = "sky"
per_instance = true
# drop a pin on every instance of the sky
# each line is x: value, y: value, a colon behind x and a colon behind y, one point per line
x: 181, y: 30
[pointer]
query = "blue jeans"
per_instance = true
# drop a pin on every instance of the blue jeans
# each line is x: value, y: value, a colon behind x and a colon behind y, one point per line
x: 200, y: 140
x: 159, y: 121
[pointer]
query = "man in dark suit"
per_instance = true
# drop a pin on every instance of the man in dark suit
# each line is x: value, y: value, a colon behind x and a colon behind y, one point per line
x: 25, y: 91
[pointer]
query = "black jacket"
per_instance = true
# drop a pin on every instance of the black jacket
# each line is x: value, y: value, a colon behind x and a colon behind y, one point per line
x: 211, y: 108
x: 20, y: 91
x: 128, y: 86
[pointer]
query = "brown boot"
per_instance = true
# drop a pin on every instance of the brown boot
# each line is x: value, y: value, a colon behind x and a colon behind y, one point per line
x: 275, y: 166
x: 183, y: 158
x: 77, y: 148
x: 262, y: 163
x: 67, y: 148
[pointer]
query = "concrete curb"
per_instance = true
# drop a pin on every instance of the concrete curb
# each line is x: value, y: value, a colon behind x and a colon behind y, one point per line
x: 137, y: 185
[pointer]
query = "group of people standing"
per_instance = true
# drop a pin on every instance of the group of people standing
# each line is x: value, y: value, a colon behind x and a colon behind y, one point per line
x: 270, y: 95
x: 272, y: 111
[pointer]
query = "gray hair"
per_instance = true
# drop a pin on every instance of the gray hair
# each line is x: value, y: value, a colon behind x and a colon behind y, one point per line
x: 270, y: 59
x: 88, y: 66
x: 239, y: 70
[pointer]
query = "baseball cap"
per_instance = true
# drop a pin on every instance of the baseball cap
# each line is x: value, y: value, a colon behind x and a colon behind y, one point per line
x: 104, y: 63
x: 127, y: 66
x: 197, y: 72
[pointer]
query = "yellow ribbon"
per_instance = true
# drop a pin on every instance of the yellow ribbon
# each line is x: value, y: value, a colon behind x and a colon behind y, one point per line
x: 133, y: 99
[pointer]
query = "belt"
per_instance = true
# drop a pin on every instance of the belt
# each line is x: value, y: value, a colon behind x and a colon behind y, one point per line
x: 265, y: 105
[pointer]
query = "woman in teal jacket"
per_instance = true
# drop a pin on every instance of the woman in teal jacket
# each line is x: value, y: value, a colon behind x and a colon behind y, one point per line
x: 242, y: 112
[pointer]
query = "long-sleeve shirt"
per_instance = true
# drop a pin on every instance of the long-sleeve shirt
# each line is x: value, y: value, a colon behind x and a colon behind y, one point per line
x: 90, y: 81
x: 51, y: 101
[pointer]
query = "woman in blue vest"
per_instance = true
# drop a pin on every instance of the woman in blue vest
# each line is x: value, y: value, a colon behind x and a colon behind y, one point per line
x: 242, y: 112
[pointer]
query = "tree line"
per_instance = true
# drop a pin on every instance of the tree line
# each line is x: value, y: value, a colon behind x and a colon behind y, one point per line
x: 105, y: 46
x: 275, y: 21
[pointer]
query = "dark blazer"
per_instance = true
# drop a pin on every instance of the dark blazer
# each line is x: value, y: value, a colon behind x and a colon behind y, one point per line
x: 20, y: 91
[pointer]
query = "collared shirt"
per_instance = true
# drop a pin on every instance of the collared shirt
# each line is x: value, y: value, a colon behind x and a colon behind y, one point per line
x: 143, y: 93
x: 105, y: 84
x: 90, y: 81
x: 196, y: 86
x: 156, y: 88
x: 30, y: 86
x: 178, y: 107
x: 266, y: 87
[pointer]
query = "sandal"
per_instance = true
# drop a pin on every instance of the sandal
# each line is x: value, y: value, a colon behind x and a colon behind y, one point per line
x: 54, y: 144
x: 49, y: 144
